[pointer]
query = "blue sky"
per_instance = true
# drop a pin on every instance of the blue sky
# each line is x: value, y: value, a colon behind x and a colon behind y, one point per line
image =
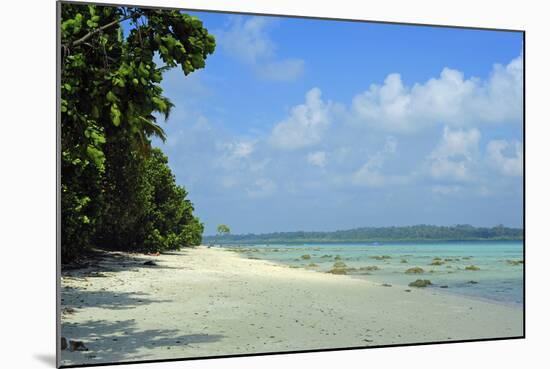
x: 300, y: 124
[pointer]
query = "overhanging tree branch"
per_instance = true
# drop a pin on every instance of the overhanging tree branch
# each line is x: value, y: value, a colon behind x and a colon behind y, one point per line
x: 102, y: 28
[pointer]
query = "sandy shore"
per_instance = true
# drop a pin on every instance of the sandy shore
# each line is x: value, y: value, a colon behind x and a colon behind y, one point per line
x: 208, y: 301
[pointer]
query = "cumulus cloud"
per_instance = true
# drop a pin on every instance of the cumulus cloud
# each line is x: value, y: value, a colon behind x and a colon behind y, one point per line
x: 449, y: 99
x: 317, y: 158
x: 247, y: 39
x: 506, y: 157
x: 454, y: 156
x: 306, y: 124
x: 234, y: 155
x: 370, y: 173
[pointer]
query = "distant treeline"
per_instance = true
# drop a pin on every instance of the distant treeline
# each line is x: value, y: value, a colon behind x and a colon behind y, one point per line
x: 377, y: 234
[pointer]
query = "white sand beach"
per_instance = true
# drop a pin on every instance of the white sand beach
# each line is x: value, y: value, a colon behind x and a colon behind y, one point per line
x: 210, y: 301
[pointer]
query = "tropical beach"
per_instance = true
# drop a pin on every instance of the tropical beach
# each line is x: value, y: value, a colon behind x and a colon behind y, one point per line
x: 231, y: 186
x: 206, y: 301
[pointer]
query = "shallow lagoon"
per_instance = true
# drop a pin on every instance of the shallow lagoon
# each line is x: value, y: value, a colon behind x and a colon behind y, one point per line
x: 500, y: 263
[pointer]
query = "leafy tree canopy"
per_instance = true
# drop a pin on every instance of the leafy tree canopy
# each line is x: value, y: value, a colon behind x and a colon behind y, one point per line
x: 110, y: 97
x: 223, y: 229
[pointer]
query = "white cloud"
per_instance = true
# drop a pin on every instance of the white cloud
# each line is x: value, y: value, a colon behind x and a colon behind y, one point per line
x: 449, y: 99
x: 317, y: 158
x: 454, y: 157
x: 247, y: 40
x: 234, y: 155
x: 506, y: 157
x: 370, y: 173
x: 305, y: 125
x: 242, y: 149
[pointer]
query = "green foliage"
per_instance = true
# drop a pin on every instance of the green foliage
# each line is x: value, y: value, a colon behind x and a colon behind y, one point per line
x: 223, y: 229
x: 110, y: 97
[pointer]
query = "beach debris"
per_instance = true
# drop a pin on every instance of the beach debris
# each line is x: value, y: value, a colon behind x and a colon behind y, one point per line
x: 407, y: 290
x: 63, y: 343
x: 514, y: 262
x: 306, y: 256
x: 437, y: 261
x: 404, y: 261
x: 444, y: 286
x: 325, y: 256
x: 337, y: 257
x: 414, y: 270
x: 312, y: 265
x: 472, y: 282
x: 150, y: 262
x: 472, y: 267
x: 386, y: 285
x: 420, y: 283
x: 156, y: 253
x: 77, y: 346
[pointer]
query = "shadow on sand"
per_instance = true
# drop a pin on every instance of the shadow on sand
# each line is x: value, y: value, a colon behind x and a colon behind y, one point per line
x: 122, y: 341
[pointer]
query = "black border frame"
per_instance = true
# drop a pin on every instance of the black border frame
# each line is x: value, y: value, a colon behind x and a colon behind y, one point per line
x: 59, y: 4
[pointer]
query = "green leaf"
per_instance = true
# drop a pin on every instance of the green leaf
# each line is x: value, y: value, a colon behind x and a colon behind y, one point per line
x: 115, y: 115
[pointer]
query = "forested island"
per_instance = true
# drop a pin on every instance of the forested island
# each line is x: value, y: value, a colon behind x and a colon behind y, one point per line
x: 420, y: 232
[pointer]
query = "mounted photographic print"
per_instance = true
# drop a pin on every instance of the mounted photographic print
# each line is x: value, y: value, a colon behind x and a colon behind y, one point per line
x: 241, y: 184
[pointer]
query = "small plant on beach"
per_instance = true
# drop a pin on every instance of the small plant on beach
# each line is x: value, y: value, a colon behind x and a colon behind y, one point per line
x: 306, y: 257
x: 414, y: 270
x: 325, y: 256
x: 337, y: 257
x: 312, y: 265
x: 420, y: 283
x: 437, y: 261
x: 472, y: 267
x: 404, y: 261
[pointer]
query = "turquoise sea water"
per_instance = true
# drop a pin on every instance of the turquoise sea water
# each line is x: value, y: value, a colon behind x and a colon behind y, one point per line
x: 500, y: 263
